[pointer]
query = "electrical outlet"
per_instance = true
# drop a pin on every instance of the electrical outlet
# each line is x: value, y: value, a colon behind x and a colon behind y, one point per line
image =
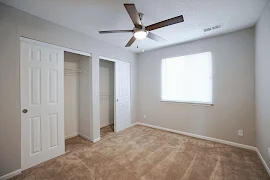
x: 269, y: 153
x: 240, y: 133
x: 144, y: 116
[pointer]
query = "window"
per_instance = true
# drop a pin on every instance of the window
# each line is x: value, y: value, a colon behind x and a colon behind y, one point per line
x: 187, y: 79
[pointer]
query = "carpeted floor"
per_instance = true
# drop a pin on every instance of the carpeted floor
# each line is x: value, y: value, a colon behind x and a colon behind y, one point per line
x: 145, y: 153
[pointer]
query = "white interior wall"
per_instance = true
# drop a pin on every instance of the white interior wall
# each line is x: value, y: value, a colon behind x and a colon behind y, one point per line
x: 14, y: 24
x: 262, y: 37
x: 106, y: 87
x: 233, y: 89
x: 71, y: 88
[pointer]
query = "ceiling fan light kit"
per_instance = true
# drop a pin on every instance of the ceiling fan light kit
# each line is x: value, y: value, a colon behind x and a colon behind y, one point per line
x: 140, y: 34
x: 140, y: 31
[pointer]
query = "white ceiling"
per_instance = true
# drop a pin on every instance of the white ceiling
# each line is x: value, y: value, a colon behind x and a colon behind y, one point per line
x: 91, y: 16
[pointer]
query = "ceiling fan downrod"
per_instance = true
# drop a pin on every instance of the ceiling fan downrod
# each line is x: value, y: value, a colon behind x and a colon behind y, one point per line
x: 141, y: 16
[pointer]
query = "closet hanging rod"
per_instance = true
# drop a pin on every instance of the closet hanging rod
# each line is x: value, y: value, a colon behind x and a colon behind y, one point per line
x: 74, y: 70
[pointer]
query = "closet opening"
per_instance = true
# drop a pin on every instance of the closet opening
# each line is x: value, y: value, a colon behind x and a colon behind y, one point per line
x: 77, y: 94
x: 107, y: 96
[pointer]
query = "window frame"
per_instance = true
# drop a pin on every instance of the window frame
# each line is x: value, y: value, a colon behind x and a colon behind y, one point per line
x: 195, y: 103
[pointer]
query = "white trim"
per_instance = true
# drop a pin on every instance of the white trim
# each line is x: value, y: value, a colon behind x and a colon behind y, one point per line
x: 88, y: 138
x: 32, y: 41
x: 113, y: 60
x: 71, y: 135
x: 134, y: 124
x: 108, y: 59
x: 200, y: 137
x: 84, y: 136
x: 11, y: 175
x: 190, y: 103
x: 210, y: 139
x: 96, y: 140
x: 263, y: 161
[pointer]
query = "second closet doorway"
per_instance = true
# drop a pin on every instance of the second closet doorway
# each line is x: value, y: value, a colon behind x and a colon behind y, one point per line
x: 114, y: 85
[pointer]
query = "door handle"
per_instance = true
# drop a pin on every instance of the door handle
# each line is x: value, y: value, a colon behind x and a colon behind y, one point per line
x: 25, y: 111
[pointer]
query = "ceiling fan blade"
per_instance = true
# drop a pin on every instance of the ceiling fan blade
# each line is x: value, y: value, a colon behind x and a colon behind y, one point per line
x: 131, y: 41
x: 155, y: 37
x: 132, y: 11
x: 167, y: 22
x: 115, y: 31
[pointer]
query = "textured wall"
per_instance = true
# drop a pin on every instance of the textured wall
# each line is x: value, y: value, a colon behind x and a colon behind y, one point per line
x: 15, y: 23
x: 233, y: 89
x: 262, y: 39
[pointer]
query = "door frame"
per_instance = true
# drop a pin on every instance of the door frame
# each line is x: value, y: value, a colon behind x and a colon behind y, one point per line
x: 41, y: 43
x: 115, y: 100
x: 65, y: 49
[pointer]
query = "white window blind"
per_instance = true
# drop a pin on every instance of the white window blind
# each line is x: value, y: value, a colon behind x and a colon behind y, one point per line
x: 187, y: 79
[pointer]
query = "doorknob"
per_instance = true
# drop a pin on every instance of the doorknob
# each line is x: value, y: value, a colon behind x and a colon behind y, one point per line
x: 25, y: 111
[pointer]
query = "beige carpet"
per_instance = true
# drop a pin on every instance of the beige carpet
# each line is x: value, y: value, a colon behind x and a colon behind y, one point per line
x: 145, y: 153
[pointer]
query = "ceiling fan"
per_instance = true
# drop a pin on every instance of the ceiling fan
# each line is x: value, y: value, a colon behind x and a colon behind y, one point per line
x: 140, y: 31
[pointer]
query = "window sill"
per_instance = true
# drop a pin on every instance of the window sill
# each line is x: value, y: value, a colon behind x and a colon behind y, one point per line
x: 190, y: 103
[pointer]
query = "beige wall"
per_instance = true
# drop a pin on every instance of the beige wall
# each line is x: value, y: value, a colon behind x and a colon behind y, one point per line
x: 262, y: 39
x: 233, y: 89
x: 15, y: 23
x: 233, y: 67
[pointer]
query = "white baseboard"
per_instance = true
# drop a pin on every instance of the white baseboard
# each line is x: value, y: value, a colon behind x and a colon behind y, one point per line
x: 96, y: 140
x: 134, y: 124
x: 71, y: 136
x: 11, y: 175
x: 85, y: 136
x: 199, y: 136
x: 263, y: 161
x: 210, y: 139
x: 88, y: 138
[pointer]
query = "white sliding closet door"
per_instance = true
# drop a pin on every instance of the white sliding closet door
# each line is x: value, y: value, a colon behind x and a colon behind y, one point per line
x: 42, y: 103
x: 122, y: 95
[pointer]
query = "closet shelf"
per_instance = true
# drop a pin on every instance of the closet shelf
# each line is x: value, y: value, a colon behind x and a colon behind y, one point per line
x: 73, y: 71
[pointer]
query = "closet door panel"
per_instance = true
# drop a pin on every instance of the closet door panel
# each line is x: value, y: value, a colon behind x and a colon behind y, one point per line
x: 35, y: 89
x: 122, y: 89
x: 53, y: 86
x: 53, y: 130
